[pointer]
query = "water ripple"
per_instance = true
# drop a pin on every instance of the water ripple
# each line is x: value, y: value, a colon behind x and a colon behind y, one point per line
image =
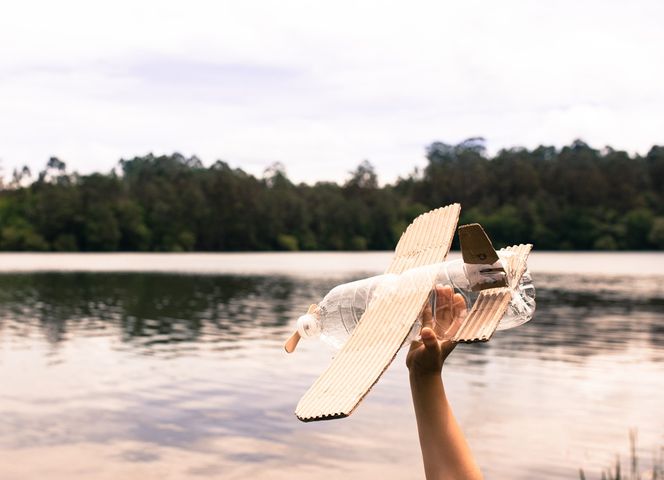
x: 137, y: 374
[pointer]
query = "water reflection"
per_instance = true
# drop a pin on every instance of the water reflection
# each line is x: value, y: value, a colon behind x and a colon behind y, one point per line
x: 580, y: 316
x: 141, y: 373
x: 150, y: 308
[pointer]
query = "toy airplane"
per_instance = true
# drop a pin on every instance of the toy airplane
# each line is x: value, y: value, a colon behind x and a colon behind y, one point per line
x: 366, y: 355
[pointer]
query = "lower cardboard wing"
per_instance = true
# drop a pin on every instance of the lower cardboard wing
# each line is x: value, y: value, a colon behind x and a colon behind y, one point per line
x: 367, y: 354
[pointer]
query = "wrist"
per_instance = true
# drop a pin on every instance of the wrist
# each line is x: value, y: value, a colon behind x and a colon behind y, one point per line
x: 426, y: 385
x: 426, y: 377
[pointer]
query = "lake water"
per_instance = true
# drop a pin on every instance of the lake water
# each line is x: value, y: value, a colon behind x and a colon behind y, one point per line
x: 163, y: 367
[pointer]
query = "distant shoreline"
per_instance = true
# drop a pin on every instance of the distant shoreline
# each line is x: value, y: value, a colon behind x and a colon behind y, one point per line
x: 306, y: 264
x: 574, y: 198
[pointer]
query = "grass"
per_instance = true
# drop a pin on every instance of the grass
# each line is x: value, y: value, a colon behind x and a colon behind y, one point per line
x: 616, y: 472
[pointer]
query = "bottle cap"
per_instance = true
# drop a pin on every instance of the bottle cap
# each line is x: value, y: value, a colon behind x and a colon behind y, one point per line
x: 308, y: 326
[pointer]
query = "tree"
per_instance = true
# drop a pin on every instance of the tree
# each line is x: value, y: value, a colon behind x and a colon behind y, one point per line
x: 577, y: 197
x: 364, y: 176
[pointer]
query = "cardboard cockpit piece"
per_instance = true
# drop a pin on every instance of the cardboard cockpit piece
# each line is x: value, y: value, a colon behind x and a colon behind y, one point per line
x: 388, y: 319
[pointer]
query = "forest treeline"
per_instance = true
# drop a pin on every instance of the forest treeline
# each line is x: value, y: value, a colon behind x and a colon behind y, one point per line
x: 576, y: 197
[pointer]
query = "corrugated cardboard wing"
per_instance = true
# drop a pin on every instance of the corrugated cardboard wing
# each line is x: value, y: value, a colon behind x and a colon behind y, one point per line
x: 427, y: 240
x: 385, y: 324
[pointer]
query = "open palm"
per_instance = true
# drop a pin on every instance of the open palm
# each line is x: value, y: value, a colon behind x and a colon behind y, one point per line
x: 427, y: 356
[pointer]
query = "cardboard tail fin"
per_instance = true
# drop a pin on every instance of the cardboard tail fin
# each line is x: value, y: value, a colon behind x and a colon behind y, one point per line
x: 476, y: 247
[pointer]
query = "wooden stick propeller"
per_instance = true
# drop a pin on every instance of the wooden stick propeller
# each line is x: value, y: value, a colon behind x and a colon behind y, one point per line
x: 294, y: 339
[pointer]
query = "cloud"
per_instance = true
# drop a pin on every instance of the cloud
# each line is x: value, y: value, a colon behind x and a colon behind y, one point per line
x: 322, y: 86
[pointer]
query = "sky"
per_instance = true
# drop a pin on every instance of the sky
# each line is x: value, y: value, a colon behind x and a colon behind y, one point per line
x: 321, y: 86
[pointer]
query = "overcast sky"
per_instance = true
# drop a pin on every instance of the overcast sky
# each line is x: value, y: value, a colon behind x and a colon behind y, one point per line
x: 321, y: 86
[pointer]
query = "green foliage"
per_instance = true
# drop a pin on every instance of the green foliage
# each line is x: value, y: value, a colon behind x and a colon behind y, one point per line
x: 358, y: 243
x: 21, y: 236
x: 605, y: 242
x: 656, y: 235
x: 287, y: 242
x: 638, y: 224
x: 101, y: 230
x: 65, y: 242
x: 574, y: 198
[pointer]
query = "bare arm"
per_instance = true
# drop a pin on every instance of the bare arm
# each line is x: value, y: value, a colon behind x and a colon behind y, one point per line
x: 445, y: 452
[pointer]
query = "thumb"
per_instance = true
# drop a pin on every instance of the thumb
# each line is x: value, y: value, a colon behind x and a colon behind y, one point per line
x: 429, y: 339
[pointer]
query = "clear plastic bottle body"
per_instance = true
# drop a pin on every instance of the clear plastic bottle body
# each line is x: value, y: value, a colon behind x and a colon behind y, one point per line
x: 341, y: 309
x: 337, y: 315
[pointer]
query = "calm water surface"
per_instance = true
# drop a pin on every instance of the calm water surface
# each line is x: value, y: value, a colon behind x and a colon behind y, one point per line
x: 171, y: 366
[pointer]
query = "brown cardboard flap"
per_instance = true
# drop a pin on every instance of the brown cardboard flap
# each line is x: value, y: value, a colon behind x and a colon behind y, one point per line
x: 476, y: 248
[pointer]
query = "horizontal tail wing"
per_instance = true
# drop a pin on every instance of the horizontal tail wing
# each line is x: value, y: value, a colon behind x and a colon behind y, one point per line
x: 491, y: 304
x: 483, y: 318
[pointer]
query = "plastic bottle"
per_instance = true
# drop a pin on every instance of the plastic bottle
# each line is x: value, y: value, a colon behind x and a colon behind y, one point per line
x: 336, y: 316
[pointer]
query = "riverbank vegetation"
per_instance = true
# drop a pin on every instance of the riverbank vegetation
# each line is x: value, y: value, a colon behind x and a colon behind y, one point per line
x: 635, y: 469
x: 576, y: 197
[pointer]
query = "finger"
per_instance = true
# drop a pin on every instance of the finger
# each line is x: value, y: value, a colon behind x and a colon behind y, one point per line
x: 443, y: 298
x: 427, y: 317
x: 444, y: 293
x: 443, y: 311
x: 459, y: 304
x: 446, y: 348
x: 430, y: 341
x: 414, y: 345
x: 460, y: 311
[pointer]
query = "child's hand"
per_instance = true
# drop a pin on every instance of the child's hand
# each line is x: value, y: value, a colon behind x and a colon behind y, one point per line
x: 427, y: 357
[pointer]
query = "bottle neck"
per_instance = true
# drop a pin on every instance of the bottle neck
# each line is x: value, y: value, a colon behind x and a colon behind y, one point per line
x: 308, y: 326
